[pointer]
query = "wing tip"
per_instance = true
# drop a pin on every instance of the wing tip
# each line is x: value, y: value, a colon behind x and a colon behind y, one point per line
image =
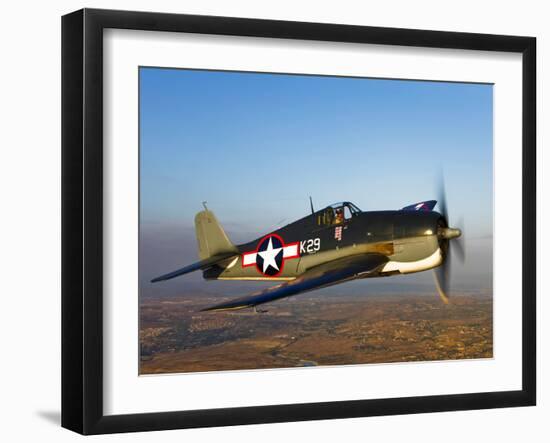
x: 426, y: 205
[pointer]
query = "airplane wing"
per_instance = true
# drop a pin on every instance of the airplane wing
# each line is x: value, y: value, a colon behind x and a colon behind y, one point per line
x: 203, y: 264
x: 427, y: 205
x: 327, y: 274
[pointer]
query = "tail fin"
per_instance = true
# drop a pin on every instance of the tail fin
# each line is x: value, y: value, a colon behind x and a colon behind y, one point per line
x: 211, y: 237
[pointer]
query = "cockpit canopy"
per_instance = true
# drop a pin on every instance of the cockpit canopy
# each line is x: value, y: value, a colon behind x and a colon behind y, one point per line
x: 337, y: 213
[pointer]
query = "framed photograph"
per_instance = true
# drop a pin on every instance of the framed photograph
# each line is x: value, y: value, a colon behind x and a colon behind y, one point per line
x: 269, y: 221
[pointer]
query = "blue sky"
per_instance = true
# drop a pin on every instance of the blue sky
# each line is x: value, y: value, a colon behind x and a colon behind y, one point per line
x: 255, y: 146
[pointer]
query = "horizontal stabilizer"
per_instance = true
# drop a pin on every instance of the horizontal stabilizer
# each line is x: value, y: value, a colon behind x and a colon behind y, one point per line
x: 427, y: 205
x: 321, y: 276
x: 203, y: 264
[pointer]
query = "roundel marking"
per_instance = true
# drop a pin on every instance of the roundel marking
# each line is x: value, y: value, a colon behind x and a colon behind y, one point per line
x: 270, y: 255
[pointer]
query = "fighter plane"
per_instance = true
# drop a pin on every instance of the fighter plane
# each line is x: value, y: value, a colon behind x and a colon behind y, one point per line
x: 336, y: 244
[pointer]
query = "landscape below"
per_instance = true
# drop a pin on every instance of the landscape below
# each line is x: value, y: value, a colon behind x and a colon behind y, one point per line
x: 313, y: 330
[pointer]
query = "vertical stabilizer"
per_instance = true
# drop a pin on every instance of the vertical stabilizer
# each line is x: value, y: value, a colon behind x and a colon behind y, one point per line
x: 211, y: 238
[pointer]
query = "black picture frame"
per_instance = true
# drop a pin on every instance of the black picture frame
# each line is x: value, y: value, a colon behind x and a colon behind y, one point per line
x: 82, y: 219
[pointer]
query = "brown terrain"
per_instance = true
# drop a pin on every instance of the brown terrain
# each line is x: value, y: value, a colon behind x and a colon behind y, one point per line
x: 311, y: 331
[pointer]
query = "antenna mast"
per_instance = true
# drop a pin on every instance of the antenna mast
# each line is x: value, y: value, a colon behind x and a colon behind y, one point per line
x: 311, y: 204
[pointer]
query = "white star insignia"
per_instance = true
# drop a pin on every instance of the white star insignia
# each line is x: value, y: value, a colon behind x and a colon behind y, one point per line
x: 269, y: 256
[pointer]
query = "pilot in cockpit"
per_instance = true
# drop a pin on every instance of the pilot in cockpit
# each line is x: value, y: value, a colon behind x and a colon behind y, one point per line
x: 339, y: 219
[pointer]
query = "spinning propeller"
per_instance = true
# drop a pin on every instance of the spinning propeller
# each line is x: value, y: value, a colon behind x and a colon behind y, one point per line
x: 442, y: 274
